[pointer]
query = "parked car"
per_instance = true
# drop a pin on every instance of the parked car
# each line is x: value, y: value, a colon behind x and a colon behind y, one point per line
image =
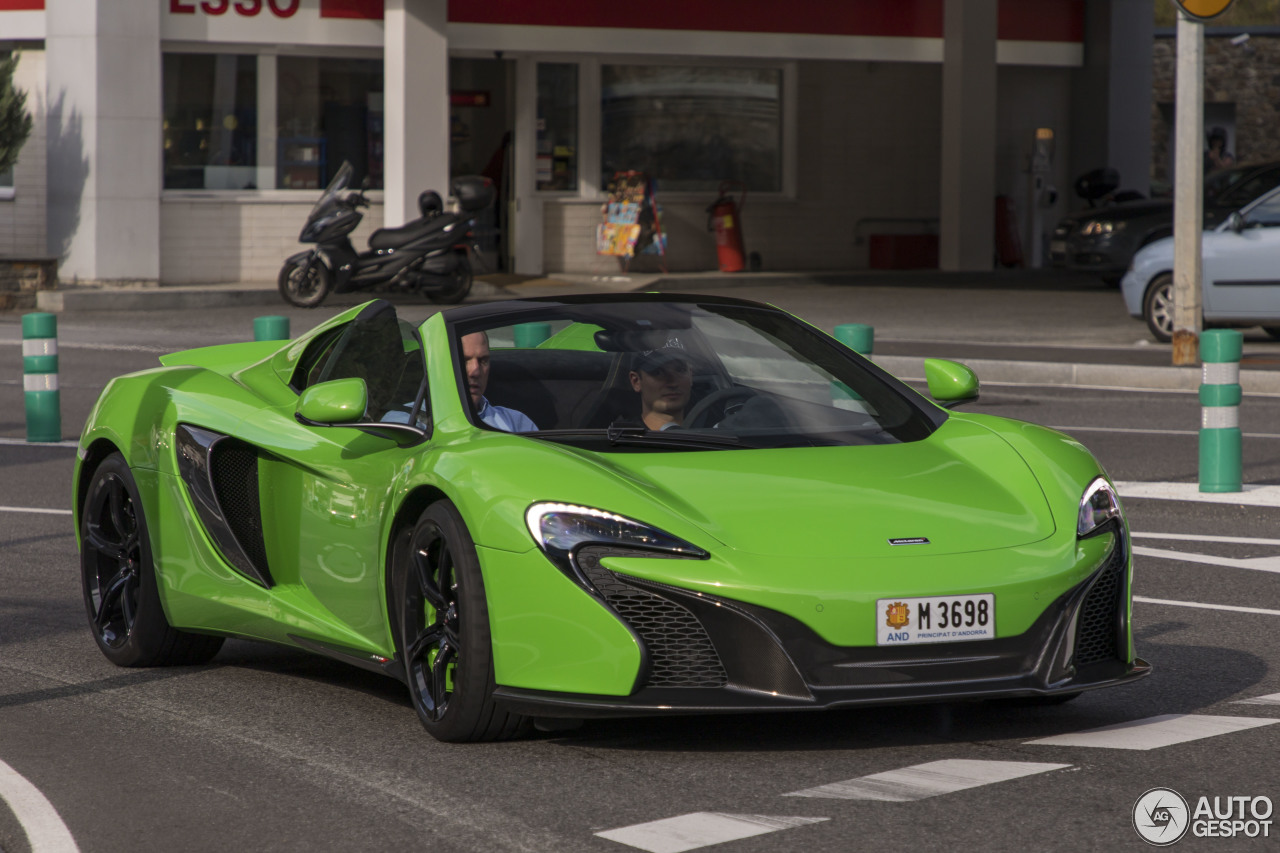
x: 1240, y: 274
x: 1103, y: 240
x: 814, y: 534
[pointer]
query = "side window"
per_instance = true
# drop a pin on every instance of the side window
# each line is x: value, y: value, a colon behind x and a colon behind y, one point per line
x: 1266, y: 214
x: 383, y: 351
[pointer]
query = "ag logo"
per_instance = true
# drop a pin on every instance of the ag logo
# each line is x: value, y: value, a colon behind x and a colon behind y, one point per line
x: 1203, y: 9
x: 1161, y: 816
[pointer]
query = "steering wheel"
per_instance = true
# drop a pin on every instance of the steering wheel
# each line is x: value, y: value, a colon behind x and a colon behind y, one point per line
x: 694, y: 419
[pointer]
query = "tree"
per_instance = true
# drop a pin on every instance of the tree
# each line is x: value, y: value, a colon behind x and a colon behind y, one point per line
x: 15, y: 121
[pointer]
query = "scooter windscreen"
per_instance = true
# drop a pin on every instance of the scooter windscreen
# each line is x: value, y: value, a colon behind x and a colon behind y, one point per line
x: 339, y: 183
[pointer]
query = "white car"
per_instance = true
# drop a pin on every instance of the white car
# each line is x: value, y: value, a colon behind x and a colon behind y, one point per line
x: 1241, y: 274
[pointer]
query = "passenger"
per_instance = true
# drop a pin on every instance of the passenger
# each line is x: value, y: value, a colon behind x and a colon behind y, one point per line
x: 664, y: 378
x: 475, y: 354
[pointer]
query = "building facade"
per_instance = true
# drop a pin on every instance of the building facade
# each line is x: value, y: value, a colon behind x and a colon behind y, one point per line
x: 184, y: 141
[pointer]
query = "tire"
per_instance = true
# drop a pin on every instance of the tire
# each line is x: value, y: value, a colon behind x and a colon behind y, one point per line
x: 1273, y: 332
x: 1157, y: 307
x: 118, y: 578
x: 442, y: 631
x: 304, y: 291
x: 458, y: 289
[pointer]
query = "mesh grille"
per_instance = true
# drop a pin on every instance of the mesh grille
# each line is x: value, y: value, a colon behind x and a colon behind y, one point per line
x: 1096, y: 634
x: 234, y: 471
x: 680, y: 652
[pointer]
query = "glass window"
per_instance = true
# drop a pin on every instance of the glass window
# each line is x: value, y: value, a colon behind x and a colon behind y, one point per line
x: 330, y: 110
x: 210, y: 121
x: 1266, y: 213
x: 557, y: 126
x: 691, y: 127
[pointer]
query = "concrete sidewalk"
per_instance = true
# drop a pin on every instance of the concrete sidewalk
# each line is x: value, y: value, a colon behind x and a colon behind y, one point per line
x: 1042, y: 327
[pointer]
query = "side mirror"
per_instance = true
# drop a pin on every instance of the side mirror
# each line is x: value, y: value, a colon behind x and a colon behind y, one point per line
x: 1235, y: 221
x: 950, y: 382
x: 339, y: 401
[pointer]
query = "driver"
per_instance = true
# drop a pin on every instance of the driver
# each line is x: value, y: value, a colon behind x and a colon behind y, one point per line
x: 664, y: 379
x: 475, y: 355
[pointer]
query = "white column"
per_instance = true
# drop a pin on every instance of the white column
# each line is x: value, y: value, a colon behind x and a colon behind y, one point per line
x: 104, y: 138
x: 527, y: 238
x: 416, y: 86
x: 967, y: 198
x: 1188, y: 193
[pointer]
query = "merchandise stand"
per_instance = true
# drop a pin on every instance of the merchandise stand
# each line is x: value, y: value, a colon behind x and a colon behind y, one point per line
x: 632, y: 222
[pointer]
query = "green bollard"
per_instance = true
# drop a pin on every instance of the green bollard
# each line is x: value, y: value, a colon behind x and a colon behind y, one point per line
x: 857, y: 337
x: 529, y: 335
x: 271, y: 328
x: 40, y: 377
x: 1221, y: 469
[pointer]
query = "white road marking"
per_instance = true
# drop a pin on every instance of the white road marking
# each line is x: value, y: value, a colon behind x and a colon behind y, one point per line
x: 106, y: 347
x: 1269, y: 699
x: 1251, y: 495
x: 35, y: 509
x: 22, y: 442
x: 1257, y: 564
x: 926, y: 780
x: 700, y: 829
x: 45, y: 830
x: 1155, y: 732
x: 1196, y: 537
x: 1202, y: 606
x: 1141, y: 431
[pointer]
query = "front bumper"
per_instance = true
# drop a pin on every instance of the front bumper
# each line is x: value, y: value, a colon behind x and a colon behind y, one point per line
x: 710, y: 655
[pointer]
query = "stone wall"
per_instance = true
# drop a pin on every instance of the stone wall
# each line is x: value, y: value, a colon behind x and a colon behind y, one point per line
x: 1246, y: 77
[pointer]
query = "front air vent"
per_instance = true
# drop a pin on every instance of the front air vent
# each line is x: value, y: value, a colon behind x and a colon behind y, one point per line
x: 681, y: 653
x: 1099, y: 620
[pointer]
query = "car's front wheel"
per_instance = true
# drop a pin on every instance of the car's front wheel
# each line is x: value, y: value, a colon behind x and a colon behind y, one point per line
x: 443, y: 631
x: 119, y: 581
x: 1157, y: 307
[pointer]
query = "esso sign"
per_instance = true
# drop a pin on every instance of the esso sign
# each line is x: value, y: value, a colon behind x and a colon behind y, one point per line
x: 247, y: 8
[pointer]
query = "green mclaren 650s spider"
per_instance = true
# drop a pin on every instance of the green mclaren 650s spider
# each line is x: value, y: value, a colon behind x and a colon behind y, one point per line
x: 593, y: 506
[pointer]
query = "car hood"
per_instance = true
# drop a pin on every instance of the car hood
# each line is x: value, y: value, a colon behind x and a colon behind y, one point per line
x: 962, y: 489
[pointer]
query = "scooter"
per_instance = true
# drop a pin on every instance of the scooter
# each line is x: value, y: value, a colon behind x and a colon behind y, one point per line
x: 429, y: 255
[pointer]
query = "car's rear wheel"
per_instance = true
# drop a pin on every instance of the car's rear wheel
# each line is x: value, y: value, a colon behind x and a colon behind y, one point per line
x: 1157, y: 307
x: 443, y: 631
x: 459, y: 285
x: 119, y: 582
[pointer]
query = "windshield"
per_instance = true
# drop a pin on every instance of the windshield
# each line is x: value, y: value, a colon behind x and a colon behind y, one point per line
x: 339, y: 183
x: 617, y: 375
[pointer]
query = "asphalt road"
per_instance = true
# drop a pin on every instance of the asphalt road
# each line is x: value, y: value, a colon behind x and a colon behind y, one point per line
x: 271, y: 749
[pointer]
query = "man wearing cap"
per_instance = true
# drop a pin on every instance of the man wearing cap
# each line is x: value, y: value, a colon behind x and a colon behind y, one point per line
x: 475, y: 355
x: 664, y: 379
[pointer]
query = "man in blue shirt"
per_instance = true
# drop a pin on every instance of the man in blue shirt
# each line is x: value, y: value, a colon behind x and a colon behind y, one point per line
x: 475, y: 355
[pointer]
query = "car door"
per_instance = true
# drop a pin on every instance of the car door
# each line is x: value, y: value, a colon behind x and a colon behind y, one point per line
x: 327, y: 490
x: 1242, y: 267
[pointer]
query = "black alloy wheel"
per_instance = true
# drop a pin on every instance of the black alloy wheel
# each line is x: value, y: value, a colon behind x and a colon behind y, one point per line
x: 443, y: 635
x: 118, y: 578
x: 304, y: 282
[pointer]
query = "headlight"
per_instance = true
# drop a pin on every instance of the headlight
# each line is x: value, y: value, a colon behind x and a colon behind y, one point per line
x: 1098, y: 506
x: 561, y: 529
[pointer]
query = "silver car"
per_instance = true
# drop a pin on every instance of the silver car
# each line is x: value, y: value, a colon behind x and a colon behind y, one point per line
x: 1241, y: 273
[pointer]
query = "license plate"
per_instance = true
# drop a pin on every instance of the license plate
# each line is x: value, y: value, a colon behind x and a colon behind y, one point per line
x: 1057, y: 247
x: 938, y: 619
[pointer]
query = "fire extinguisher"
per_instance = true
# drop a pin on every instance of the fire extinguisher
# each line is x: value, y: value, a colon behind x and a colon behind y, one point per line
x: 724, y: 218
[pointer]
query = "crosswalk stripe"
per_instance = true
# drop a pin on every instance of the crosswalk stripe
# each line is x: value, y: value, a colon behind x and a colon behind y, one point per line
x: 926, y: 780
x: 1269, y: 699
x: 700, y: 829
x: 1200, y: 605
x: 1257, y: 564
x: 1155, y: 732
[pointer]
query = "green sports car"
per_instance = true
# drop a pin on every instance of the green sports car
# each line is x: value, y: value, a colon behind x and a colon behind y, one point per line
x: 589, y: 506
